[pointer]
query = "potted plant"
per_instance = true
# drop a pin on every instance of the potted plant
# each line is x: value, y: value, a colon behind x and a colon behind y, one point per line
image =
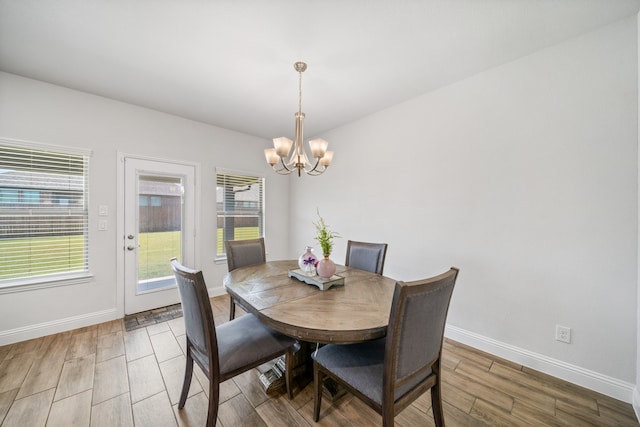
x: 325, y: 268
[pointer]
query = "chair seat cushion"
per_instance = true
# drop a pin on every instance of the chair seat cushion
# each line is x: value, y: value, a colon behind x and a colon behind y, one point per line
x: 245, y: 340
x: 361, y: 366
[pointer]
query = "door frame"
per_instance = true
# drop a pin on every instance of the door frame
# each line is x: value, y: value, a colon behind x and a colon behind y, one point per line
x: 120, y: 218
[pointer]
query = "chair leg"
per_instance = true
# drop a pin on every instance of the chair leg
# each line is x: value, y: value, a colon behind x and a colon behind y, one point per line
x: 214, y: 399
x: 317, y: 391
x: 188, y: 374
x: 388, y: 419
x: 388, y: 410
x: 232, y: 309
x: 436, y: 404
x: 288, y: 362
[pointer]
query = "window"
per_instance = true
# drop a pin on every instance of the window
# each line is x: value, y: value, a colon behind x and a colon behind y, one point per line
x: 43, y: 214
x: 240, y: 207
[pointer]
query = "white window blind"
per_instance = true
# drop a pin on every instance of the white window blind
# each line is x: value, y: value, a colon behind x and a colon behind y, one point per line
x: 240, y: 207
x: 43, y: 214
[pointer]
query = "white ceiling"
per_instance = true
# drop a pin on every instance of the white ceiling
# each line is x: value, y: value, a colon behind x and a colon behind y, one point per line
x: 230, y: 63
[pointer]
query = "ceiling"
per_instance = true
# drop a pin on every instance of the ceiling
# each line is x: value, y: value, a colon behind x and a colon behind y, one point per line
x: 230, y: 63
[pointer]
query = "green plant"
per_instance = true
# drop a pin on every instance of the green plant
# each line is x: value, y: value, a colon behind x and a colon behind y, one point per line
x: 325, y: 236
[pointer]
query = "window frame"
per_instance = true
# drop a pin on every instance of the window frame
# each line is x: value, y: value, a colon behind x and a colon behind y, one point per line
x: 21, y: 284
x: 260, y: 212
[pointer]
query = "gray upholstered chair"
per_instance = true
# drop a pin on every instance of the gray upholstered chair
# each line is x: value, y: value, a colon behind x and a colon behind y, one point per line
x: 390, y: 373
x: 366, y: 256
x: 224, y: 351
x: 241, y: 253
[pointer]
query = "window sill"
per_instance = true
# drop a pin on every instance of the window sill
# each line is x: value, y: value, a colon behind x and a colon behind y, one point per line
x: 24, y: 285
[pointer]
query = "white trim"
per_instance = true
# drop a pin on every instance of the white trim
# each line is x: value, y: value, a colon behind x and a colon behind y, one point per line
x: 55, y: 326
x: 47, y: 147
x: 592, y: 380
x: 120, y: 217
x: 31, y: 283
x: 120, y: 233
x: 636, y: 402
x: 228, y: 171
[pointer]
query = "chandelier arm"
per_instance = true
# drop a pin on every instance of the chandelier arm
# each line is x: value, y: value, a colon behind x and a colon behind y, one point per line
x: 280, y: 172
x: 284, y: 170
x: 317, y: 172
x: 313, y: 169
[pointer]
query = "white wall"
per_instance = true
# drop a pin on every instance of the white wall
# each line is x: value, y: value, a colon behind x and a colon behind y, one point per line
x: 525, y: 177
x: 40, y: 112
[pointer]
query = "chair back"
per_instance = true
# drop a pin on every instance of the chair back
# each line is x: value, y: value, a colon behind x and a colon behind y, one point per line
x: 245, y: 252
x: 198, y: 317
x: 416, y: 330
x: 366, y: 256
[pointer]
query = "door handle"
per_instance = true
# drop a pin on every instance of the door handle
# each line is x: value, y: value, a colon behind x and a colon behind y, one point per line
x: 131, y: 248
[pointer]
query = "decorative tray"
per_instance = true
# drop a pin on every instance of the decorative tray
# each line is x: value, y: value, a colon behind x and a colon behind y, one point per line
x: 322, y: 284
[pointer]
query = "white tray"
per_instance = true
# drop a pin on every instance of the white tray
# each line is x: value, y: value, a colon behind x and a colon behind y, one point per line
x: 322, y: 284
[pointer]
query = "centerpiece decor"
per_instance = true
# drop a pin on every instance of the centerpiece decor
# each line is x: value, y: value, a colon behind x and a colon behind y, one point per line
x: 307, y: 262
x: 326, y: 267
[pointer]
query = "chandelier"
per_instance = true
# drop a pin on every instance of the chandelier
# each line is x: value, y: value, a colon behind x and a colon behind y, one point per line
x: 298, y: 160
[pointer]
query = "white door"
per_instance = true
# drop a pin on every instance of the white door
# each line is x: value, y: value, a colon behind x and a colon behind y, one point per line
x: 159, y: 221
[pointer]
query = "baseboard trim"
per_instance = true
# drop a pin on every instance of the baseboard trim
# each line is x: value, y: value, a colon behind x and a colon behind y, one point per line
x: 24, y: 333
x: 636, y: 402
x: 53, y: 327
x: 592, y: 380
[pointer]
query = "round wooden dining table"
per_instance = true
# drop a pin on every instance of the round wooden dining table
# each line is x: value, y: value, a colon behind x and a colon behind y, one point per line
x: 354, y: 312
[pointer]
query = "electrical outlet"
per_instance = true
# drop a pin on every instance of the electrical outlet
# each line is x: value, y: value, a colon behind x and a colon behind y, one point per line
x: 563, y: 334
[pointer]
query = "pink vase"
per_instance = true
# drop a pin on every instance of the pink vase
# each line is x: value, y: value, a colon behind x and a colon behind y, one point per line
x: 326, y: 268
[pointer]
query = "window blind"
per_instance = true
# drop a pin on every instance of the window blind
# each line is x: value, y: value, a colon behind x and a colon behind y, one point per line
x: 43, y: 213
x: 240, y: 207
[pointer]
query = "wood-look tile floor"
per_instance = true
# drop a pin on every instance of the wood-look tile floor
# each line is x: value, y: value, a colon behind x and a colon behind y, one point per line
x: 104, y: 376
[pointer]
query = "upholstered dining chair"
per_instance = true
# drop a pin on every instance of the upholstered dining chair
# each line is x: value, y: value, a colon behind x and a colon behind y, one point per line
x: 241, y: 253
x: 224, y: 351
x: 366, y: 256
x: 390, y: 373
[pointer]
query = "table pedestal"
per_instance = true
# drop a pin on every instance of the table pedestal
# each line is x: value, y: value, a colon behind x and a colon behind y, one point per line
x: 273, y: 380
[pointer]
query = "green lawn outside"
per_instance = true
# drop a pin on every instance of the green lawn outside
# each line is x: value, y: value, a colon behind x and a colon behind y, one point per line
x: 154, y: 252
x: 41, y: 255
x: 240, y: 233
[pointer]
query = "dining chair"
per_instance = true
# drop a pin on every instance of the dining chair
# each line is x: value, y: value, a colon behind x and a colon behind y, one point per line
x: 390, y: 373
x: 224, y: 351
x: 241, y: 253
x: 366, y: 256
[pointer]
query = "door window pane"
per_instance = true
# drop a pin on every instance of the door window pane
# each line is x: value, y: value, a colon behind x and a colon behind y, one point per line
x: 159, y: 230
